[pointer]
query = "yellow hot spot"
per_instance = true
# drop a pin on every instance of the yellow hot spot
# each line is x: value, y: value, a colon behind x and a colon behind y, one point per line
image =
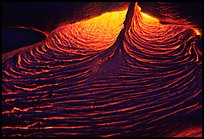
x: 197, y: 32
x: 104, y: 28
x: 102, y: 31
x: 149, y: 19
x: 96, y: 33
x: 110, y: 19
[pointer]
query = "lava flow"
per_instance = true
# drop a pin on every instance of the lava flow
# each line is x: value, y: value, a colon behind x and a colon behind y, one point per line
x: 122, y: 73
x: 97, y: 33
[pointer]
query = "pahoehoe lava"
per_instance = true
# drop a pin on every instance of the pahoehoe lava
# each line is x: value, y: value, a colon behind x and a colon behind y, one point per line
x: 122, y: 73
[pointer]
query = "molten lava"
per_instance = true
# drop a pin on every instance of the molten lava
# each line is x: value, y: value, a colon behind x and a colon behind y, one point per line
x: 99, y: 77
x: 97, y: 33
x: 149, y: 19
x: 197, y: 32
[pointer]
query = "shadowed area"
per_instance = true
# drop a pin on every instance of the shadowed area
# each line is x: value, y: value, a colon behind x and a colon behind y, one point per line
x: 175, y: 12
x: 14, y: 38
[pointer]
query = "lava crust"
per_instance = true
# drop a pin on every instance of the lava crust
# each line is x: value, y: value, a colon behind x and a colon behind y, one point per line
x: 122, y: 73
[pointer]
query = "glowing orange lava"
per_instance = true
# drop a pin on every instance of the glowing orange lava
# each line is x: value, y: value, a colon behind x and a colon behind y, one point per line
x: 149, y: 19
x: 96, y: 34
x: 81, y: 81
x: 197, y: 32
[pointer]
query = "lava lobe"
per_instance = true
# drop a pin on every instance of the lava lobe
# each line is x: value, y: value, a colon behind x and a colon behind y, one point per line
x: 123, y: 73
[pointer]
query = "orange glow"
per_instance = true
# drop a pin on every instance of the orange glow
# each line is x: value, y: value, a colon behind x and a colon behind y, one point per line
x: 107, y: 19
x: 81, y: 81
x: 18, y: 109
x: 197, y: 32
x: 146, y: 18
x: 96, y: 33
x: 149, y: 19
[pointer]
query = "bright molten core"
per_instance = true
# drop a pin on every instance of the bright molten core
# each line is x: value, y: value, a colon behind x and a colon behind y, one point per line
x: 93, y: 34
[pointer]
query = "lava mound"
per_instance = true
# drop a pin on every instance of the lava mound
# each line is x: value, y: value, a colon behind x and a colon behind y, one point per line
x: 123, y: 73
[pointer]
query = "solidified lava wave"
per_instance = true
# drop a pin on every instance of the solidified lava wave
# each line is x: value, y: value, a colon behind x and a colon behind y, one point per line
x: 100, y: 77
